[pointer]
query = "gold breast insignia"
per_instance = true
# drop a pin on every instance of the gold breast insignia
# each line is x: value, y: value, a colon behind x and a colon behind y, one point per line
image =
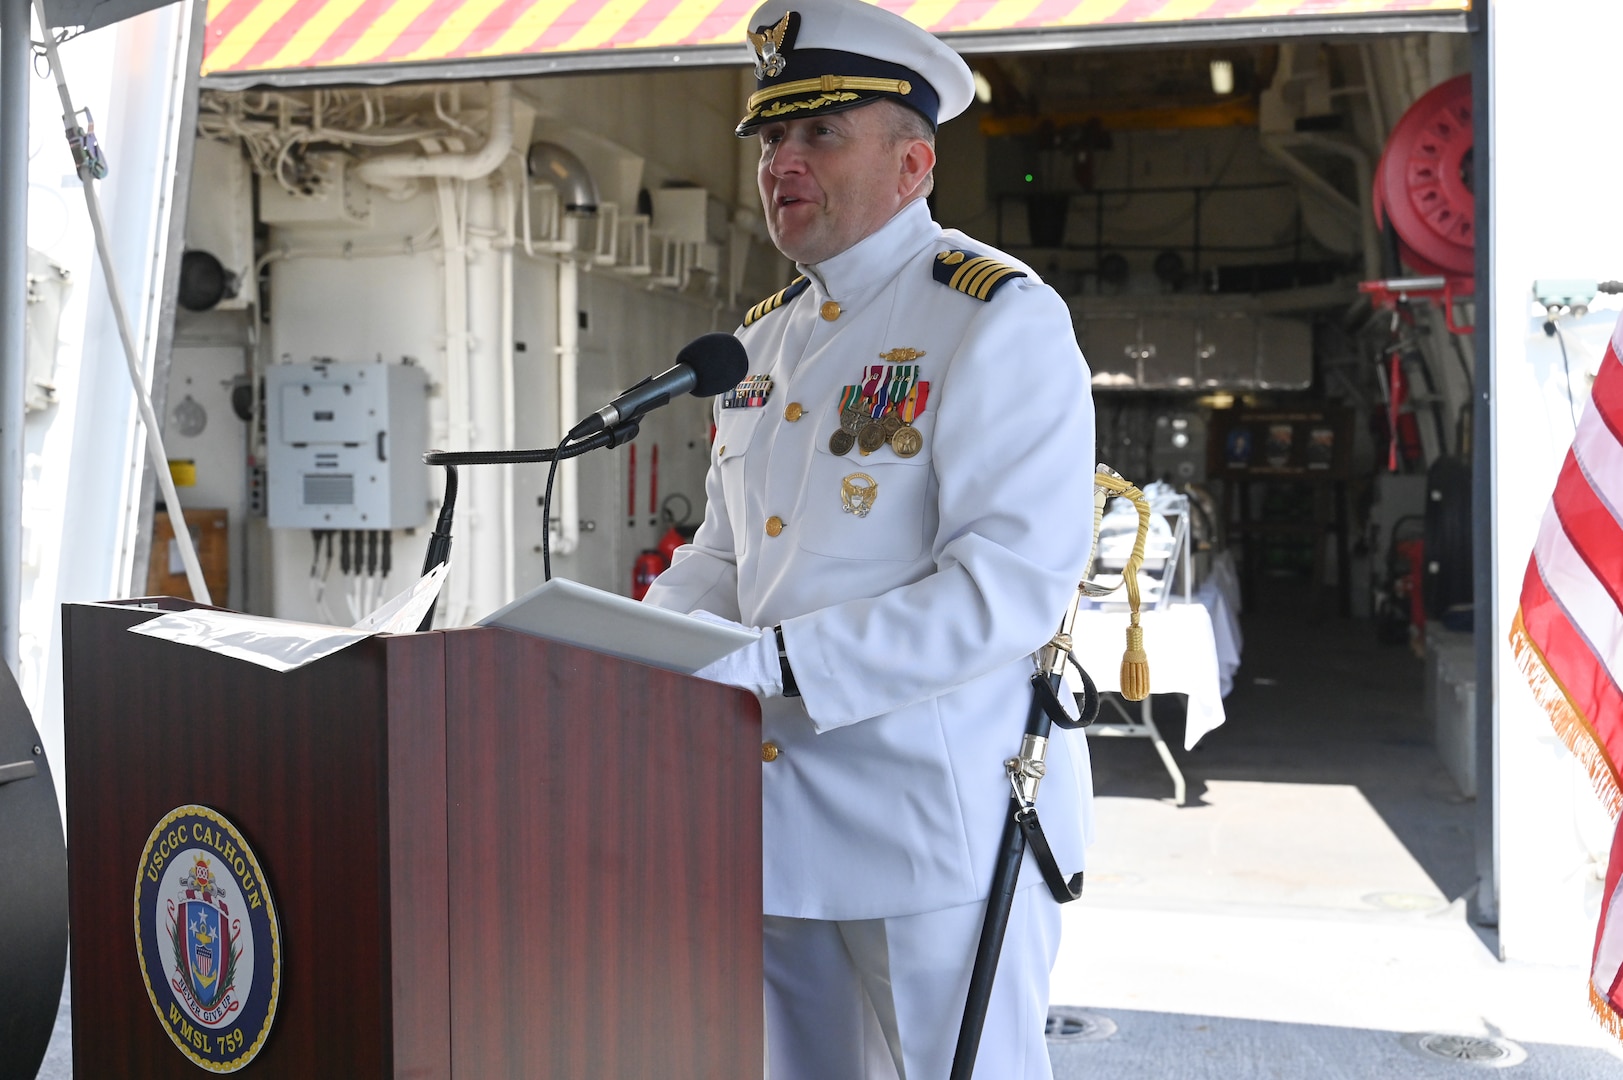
x: 903, y: 355
x: 857, y: 493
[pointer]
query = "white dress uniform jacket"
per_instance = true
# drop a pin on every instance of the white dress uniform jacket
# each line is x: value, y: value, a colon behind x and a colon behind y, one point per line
x: 911, y: 629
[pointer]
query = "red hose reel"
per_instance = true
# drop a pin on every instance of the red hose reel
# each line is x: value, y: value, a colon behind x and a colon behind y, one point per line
x: 1423, y: 182
x: 1423, y: 188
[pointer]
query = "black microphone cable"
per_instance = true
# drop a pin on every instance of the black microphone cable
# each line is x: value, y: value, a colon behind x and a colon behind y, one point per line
x: 1552, y: 330
x: 618, y: 435
x: 439, y: 541
x: 546, y: 514
x: 715, y: 362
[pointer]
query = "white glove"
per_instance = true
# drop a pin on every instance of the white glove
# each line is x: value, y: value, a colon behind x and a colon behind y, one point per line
x: 754, y: 668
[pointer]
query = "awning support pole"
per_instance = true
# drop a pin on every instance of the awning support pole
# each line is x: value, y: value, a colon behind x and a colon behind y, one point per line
x: 14, y: 69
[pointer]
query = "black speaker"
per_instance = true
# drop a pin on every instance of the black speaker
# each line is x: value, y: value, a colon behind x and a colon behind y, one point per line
x: 204, y: 282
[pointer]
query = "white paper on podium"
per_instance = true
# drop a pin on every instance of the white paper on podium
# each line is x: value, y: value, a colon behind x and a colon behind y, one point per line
x: 283, y: 645
x: 403, y: 613
x: 278, y: 644
x: 605, y: 622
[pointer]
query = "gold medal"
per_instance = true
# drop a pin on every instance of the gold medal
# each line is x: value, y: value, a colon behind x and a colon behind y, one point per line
x: 841, y: 442
x: 851, y: 422
x: 871, y: 437
x: 857, y: 494
x: 906, y: 441
x: 891, y: 424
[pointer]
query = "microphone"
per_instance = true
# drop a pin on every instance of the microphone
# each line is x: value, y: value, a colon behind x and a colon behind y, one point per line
x: 705, y: 367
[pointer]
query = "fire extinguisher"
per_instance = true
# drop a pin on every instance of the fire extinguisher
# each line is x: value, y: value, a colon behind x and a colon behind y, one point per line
x: 680, y: 531
x: 647, y: 566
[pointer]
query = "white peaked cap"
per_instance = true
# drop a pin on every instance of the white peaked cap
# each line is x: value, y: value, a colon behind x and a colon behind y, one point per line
x: 822, y: 56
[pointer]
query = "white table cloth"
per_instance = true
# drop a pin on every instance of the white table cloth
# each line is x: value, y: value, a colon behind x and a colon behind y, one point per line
x: 1182, y: 650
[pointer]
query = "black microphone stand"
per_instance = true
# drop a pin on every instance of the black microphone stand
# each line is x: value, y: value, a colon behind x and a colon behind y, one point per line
x: 439, y: 541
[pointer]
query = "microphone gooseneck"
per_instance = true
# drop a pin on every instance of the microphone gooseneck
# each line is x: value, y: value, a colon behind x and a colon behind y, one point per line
x: 705, y: 367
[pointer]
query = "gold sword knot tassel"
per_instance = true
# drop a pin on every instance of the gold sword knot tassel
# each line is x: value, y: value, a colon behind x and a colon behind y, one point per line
x: 1135, y: 662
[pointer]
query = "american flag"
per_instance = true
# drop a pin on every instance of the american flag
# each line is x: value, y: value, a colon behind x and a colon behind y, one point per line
x: 1568, y: 635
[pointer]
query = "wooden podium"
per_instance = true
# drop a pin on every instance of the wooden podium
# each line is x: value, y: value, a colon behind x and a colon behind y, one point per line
x: 491, y: 855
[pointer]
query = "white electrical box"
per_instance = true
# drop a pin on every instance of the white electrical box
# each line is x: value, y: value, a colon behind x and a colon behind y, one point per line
x: 345, y: 445
x: 682, y: 214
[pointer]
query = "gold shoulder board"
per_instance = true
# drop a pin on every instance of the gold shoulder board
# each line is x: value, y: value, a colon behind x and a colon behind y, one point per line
x: 777, y: 300
x: 973, y: 274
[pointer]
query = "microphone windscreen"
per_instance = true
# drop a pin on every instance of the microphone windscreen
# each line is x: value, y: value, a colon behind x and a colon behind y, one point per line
x: 718, y: 362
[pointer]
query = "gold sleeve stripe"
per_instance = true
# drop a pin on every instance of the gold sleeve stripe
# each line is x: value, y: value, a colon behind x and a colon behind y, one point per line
x: 776, y: 300
x: 984, y: 290
x: 982, y: 276
x: 969, y: 274
x: 965, y: 268
x: 973, y: 275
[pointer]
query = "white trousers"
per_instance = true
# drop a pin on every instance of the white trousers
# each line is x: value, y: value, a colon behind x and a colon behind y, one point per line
x: 882, y: 999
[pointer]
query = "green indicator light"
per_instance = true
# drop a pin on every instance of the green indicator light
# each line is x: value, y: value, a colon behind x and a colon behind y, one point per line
x: 1029, y: 178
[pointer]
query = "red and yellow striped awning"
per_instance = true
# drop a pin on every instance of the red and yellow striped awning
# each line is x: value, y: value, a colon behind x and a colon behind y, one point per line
x: 280, y: 35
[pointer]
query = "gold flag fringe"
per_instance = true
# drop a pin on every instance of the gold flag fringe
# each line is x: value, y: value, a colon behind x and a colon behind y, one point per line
x: 1571, y: 726
x: 1605, y: 1014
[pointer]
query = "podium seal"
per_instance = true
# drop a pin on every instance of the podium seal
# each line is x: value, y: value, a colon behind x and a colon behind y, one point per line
x: 206, y: 938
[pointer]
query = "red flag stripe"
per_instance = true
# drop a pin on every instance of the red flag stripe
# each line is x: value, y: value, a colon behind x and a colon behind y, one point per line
x: 1607, y: 395
x: 1583, y: 679
x: 1606, y: 962
x: 1599, y: 454
x: 1614, y: 873
x: 1581, y: 595
x: 1590, y: 526
x: 1567, y: 637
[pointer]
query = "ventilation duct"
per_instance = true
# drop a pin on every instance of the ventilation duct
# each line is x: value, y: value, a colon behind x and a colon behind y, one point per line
x: 551, y: 164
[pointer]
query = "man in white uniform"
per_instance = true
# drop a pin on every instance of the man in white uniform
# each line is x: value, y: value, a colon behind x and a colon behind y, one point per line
x: 900, y: 498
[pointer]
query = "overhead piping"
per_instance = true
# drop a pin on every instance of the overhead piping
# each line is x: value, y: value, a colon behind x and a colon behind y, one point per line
x: 549, y: 163
x: 392, y: 171
x: 1279, y: 146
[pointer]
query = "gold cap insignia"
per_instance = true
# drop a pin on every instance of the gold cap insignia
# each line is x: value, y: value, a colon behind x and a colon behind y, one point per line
x: 769, y: 43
